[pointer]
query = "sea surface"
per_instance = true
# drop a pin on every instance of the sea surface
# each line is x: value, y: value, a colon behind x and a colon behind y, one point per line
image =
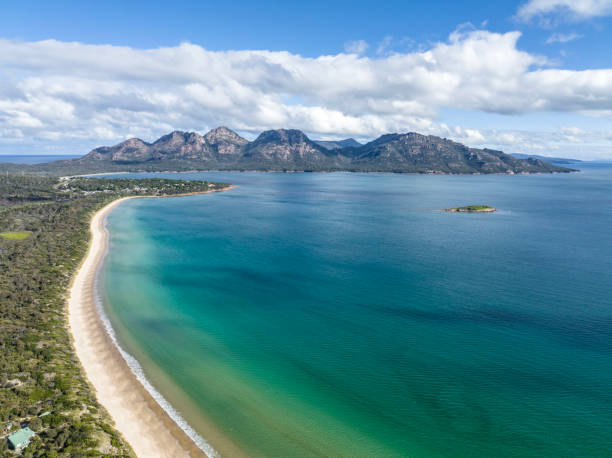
x: 34, y: 158
x: 307, y: 314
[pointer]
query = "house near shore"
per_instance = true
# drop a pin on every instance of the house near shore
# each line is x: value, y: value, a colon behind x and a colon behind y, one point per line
x: 20, y: 439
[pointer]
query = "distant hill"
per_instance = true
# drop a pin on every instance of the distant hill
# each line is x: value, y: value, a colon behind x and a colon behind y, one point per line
x: 556, y: 160
x: 292, y: 150
x: 337, y: 144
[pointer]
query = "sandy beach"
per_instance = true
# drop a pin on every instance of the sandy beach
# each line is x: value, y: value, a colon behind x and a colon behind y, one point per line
x: 137, y: 415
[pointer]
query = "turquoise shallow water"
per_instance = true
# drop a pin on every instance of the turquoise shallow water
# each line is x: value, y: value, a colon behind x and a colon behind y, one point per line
x: 343, y: 315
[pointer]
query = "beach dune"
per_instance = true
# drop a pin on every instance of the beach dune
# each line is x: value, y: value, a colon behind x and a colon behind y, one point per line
x: 137, y: 415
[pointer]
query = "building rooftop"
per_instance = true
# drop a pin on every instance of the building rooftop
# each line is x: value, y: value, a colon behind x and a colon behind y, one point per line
x: 21, y: 438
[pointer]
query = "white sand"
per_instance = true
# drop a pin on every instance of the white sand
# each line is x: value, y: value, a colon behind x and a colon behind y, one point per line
x: 139, y: 418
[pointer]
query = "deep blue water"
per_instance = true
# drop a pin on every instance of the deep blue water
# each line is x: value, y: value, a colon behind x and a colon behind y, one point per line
x: 344, y: 314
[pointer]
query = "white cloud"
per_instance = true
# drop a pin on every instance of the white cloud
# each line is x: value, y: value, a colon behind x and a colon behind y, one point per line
x: 383, y: 46
x: 570, y: 9
x: 562, y: 38
x: 356, y: 47
x: 569, y: 141
x: 92, y: 94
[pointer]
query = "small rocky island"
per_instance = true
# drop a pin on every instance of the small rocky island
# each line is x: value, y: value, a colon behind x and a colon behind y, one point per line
x: 472, y: 209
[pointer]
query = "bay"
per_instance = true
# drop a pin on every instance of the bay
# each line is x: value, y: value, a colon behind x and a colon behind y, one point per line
x: 346, y: 315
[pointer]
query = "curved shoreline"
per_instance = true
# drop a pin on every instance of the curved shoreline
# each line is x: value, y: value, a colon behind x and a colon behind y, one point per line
x: 151, y: 426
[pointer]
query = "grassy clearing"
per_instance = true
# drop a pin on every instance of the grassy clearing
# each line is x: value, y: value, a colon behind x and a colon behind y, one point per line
x: 15, y: 235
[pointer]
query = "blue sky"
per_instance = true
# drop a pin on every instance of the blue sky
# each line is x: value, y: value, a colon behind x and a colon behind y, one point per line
x: 312, y: 29
x: 91, y: 101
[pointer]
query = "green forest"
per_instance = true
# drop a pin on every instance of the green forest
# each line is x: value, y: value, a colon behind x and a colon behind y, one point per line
x: 44, y: 234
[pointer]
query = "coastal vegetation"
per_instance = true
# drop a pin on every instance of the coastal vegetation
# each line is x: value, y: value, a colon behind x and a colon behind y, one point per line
x: 44, y: 233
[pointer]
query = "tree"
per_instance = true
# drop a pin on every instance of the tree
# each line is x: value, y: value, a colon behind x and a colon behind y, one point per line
x: 35, y: 424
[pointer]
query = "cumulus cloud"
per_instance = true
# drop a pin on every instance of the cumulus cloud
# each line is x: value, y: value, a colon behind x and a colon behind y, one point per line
x: 562, y: 38
x: 59, y: 91
x: 570, y: 9
x: 565, y: 141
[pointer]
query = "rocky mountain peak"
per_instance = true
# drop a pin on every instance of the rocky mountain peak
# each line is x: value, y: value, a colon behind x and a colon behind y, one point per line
x: 172, y: 139
x: 286, y: 145
x: 181, y: 144
x: 134, y: 142
x: 290, y: 136
x: 224, y: 140
x: 223, y: 134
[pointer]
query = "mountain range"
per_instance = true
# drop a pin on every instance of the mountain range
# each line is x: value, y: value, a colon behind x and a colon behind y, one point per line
x: 556, y: 160
x: 292, y: 150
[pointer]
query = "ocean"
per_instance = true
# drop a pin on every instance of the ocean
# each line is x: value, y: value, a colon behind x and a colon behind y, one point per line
x: 339, y: 314
x: 35, y: 158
